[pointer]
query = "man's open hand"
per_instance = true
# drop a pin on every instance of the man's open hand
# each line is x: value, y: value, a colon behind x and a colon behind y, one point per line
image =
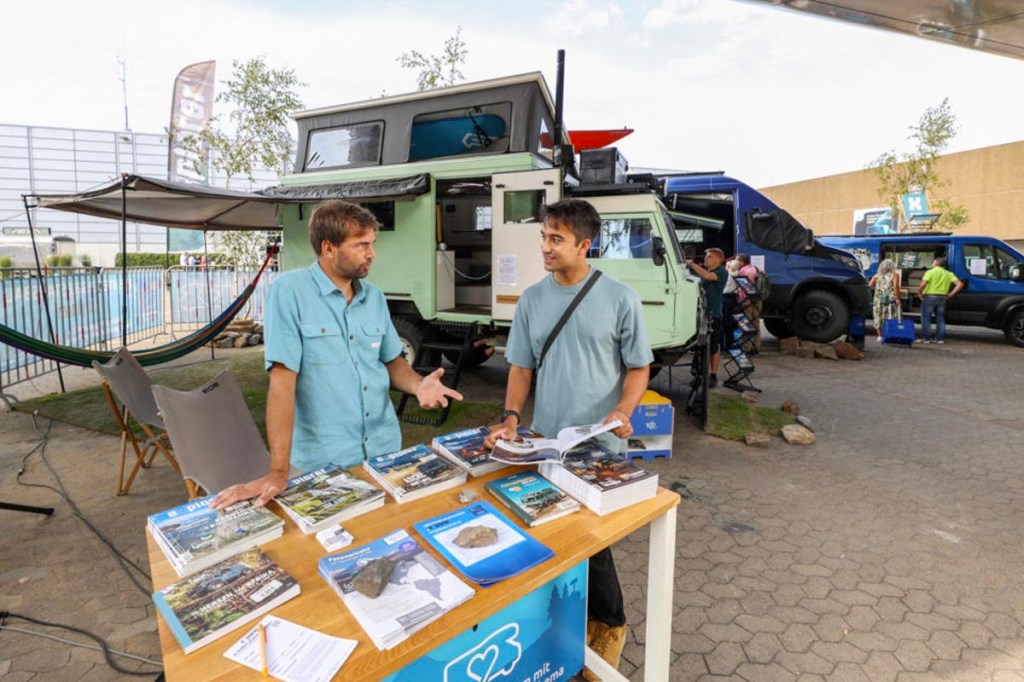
x: 432, y: 393
x: 262, y: 489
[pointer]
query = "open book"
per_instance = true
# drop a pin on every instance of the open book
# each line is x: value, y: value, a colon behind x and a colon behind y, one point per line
x: 524, y: 450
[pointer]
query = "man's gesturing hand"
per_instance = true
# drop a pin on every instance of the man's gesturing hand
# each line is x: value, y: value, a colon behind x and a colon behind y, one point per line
x: 432, y: 393
x: 262, y: 489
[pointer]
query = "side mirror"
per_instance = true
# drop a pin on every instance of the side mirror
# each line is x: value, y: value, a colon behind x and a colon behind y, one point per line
x: 658, y: 251
x: 1017, y: 272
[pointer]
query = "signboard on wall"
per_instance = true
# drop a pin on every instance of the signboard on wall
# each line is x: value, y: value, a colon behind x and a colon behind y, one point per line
x: 869, y: 221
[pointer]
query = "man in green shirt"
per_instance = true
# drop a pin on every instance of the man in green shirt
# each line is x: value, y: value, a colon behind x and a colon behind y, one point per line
x: 934, y: 291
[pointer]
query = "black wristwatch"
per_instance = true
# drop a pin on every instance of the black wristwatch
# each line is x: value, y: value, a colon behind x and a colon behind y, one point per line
x: 512, y: 413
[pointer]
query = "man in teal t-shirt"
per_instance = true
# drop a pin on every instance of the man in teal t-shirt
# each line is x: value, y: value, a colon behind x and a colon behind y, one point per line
x: 934, y: 291
x: 596, y: 370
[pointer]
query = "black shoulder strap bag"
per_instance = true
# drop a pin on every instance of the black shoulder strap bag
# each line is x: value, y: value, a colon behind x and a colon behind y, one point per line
x: 562, y: 320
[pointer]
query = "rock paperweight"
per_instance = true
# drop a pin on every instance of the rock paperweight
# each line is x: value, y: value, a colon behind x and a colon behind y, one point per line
x: 466, y: 495
x: 373, y: 577
x: 476, y: 536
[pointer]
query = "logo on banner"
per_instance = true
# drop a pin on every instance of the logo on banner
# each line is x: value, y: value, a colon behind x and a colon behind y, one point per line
x: 493, y: 658
x: 915, y: 204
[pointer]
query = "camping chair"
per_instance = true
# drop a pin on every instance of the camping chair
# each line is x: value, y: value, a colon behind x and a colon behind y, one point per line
x: 125, y: 379
x: 213, y: 434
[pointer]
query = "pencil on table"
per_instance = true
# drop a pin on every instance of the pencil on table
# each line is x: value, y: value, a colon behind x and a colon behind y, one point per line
x: 263, y: 651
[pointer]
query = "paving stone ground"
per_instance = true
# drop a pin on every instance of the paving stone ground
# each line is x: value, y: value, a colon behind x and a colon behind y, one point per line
x: 889, y: 550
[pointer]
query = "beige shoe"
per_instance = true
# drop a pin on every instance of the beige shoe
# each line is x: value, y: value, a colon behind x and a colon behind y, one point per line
x: 605, y: 641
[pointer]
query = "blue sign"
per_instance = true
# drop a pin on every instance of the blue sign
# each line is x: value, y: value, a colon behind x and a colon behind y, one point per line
x: 915, y: 204
x: 538, y: 638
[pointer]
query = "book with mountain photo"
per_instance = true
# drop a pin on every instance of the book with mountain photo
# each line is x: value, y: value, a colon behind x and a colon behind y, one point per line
x: 323, y: 497
x: 527, y: 450
x: 602, y: 480
x: 532, y: 498
x: 466, y: 448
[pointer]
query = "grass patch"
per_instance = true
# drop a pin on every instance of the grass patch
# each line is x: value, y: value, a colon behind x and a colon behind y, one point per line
x: 88, y: 407
x: 731, y: 417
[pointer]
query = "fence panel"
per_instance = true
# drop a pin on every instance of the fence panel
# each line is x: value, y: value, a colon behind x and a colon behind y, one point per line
x: 197, y: 294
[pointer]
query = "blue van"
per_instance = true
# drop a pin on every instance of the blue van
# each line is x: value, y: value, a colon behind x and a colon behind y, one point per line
x: 815, y: 289
x: 992, y: 272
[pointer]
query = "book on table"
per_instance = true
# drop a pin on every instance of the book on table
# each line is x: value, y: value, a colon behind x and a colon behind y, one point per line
x: 466, y: 449
x: 510, y: 553
x: 224, y: 597
x: 414, y: 473
x: 532, y: 450
x: 532, y: 498
x: 419, y: 591
x: 323, y: 497
x: 192, y: 536
x: 602, y: 480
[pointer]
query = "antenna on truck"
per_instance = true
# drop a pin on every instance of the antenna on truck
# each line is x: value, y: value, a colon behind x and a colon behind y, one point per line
x: 562, y: 154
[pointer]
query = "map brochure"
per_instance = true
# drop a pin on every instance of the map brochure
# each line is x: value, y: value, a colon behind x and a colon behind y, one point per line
x: 294, y: 653
x: 193, y: 537
x: 512, y: 553
x: 414, y: 473
x: 600, y: 479
x: 420, y: 589
x: 206, y: 606
x: 323, y: 497
x: 466, y: 449
x: 532, y: 498
x: 525, y: 450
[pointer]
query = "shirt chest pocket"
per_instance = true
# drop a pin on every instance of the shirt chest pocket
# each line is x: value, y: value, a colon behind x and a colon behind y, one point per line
x: 371, y: 335
x: 322, y: 344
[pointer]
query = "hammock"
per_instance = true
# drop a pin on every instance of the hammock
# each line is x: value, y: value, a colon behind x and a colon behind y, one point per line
x: 80, y: 357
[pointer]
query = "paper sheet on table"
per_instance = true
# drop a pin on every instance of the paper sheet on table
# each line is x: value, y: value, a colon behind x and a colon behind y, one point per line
x: 294, y: 653
x: 979, y: 266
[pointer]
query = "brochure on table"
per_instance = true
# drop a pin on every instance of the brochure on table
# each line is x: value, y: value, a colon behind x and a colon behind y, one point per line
x: 513, y: 553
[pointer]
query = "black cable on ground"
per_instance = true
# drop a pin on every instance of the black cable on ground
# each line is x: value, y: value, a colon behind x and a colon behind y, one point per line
x: 104, y: 648
x: 123, y: 561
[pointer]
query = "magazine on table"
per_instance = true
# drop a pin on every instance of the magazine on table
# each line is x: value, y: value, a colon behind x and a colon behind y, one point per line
x: 206, y: 606
x: 466, y: 449
x: 323, y: 497
x: 414, y: 472
x: 419, y: 591
x: 193, y: 537
x: 526, y: 450
x: 511, y: 552
x: 602, y: 480
x: 532, y: 498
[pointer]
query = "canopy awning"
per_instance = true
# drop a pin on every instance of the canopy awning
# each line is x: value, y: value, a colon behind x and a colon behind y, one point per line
x: 177, y: 204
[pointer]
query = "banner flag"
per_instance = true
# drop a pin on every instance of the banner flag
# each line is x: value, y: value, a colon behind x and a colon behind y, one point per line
x: 191, y: 110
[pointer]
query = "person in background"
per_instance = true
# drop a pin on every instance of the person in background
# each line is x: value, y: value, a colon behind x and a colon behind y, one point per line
x: 751, y: 307
x: 934, y: 291
x: 183, y: 259
x: 886, y: 285
x: 715, y: 276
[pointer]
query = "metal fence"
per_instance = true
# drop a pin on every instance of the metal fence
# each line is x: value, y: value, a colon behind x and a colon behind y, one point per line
x: 86, y: 307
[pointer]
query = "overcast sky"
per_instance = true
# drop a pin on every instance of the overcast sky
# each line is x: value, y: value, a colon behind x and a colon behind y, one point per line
x: 767, y: 95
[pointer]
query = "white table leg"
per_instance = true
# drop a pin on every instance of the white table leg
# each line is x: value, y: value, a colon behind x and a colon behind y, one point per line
x: 661, y: 559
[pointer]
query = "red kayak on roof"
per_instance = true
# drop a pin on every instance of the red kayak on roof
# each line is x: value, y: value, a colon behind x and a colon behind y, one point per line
x: 590, y: 139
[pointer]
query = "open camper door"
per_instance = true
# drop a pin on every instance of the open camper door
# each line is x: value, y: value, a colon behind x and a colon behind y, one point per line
x: 517, y: 204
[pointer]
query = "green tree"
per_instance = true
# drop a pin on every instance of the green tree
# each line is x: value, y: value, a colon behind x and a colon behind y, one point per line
x: 905, y: 172
x: 255, y: 134
x: 440, y: 70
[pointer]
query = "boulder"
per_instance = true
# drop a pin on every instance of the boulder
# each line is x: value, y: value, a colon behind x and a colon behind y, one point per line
x: 255, y: 339
x: 805, y: 422
x: 805, y: 353
x: 797, y: 435
x: 373, y: 577
x: 848, y: 351
x: 225, y: 343
x: 758, y: 439
x: 242, y: 341
x: 789, y: 345
x: 790, y: 407
x: 825, y: 351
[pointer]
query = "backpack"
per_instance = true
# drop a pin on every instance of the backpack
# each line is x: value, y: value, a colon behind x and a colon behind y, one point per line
x: 763, y: 286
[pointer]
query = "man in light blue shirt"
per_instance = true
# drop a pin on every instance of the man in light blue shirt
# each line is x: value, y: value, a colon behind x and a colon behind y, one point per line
x: 596, y: 370
x: 332, y: 353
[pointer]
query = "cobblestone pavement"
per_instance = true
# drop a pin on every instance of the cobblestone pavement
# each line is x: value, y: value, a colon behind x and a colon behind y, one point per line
x: 890, y: 550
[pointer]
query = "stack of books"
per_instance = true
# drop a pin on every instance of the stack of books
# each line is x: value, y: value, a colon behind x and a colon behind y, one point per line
x: 193, y: 537
x: 420, y: 590
x: 467, y: 450
x: 326, y: 496
x: 601, y: 479
x: 223, y: 598
x: 532, y: 498
x: 414, y: 473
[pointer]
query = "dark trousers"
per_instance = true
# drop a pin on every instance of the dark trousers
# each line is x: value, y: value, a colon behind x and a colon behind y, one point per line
x: 604, y: 595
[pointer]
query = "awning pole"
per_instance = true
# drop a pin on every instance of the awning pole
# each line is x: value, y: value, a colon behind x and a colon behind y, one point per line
x: 209, y: 297
x: 124, y: 260
x: 42, y: 285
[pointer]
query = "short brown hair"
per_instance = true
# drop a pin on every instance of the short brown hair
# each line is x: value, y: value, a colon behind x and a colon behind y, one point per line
x: 717, y: 251
x: 336, y: 220
x: 577, y: 215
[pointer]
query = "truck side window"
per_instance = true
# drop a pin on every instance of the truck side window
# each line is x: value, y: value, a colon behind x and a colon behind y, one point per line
x: 1004, y: 262
x: 344, y: 146
x: 974, y: 255
x: 623, y: 238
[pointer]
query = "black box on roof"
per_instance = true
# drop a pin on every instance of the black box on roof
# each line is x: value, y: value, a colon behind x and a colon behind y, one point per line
x: 603, y: 166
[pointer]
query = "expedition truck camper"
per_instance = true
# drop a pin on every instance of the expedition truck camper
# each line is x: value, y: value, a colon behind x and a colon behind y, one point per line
x: 458, y: 178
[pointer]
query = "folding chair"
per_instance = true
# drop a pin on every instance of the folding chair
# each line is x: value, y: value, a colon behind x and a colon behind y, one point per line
x: 125, y: 378
x: 213, y: 434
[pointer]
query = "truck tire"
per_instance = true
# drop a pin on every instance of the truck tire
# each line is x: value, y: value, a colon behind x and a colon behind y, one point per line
x: 780, y: 329
x: 1014, y: 328
x: 475, y: 357
x: 412, y: 332
x: 819, y: 316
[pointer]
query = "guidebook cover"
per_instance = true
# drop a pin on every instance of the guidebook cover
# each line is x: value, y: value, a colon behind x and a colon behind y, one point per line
x: 413, y: 468
x: 210, y: 604
x: 603, y: 469
x: 513, y: 552
x: 467, y: 447
x: 532, y: 497
x: 192, y: 530
x: 323, y: 493
x: 525, y: 450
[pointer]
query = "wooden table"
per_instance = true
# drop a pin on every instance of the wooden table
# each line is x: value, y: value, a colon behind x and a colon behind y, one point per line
x: 573, y: 539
